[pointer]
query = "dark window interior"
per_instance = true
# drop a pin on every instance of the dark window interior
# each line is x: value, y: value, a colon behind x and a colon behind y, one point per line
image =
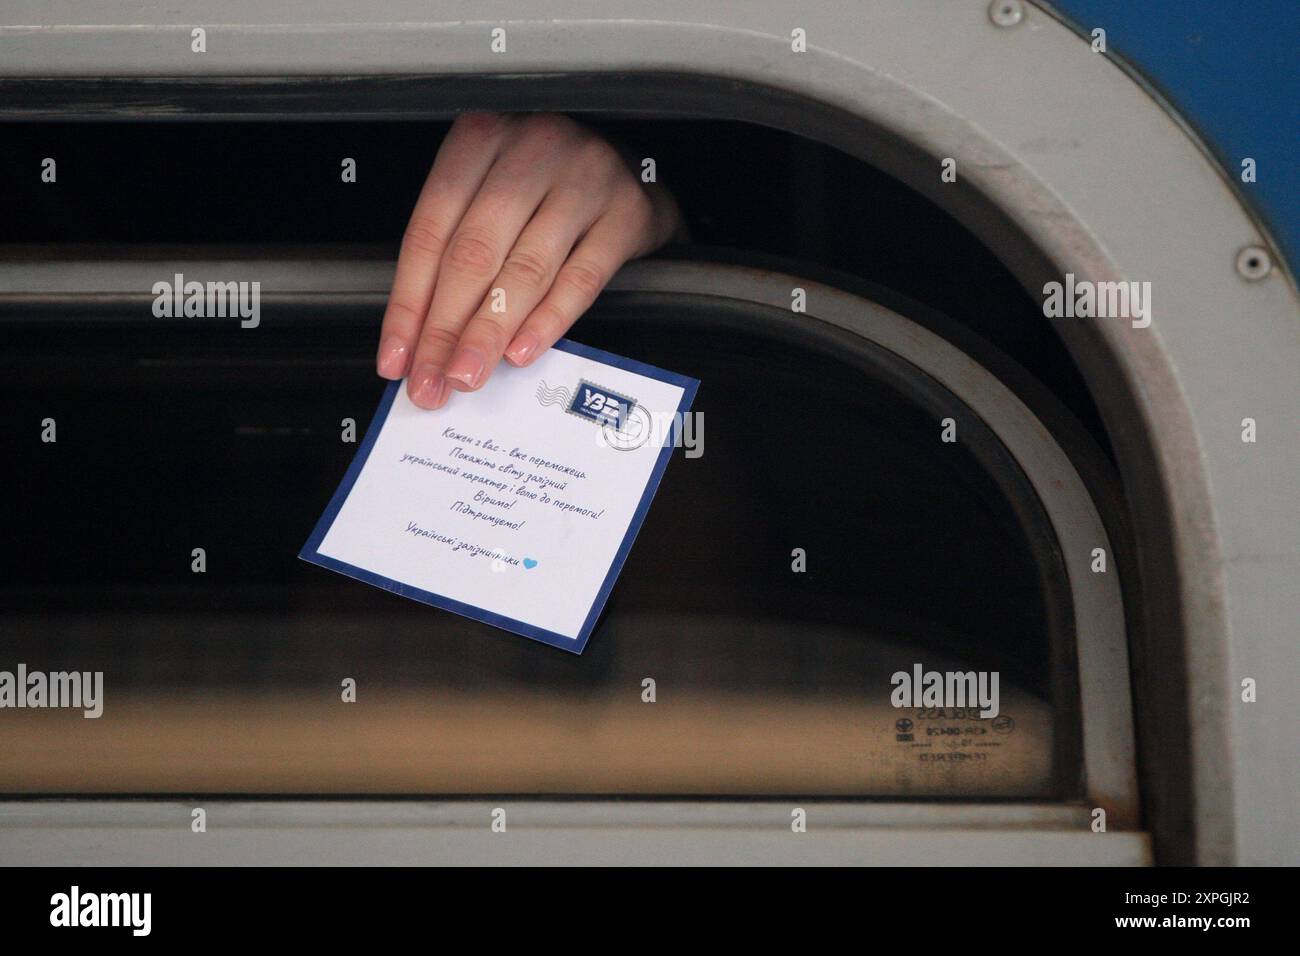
x: 740, y: 186
x: 179, y: 435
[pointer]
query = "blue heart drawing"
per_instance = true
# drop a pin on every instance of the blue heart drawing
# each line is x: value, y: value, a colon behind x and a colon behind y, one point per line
x: 530, y: 563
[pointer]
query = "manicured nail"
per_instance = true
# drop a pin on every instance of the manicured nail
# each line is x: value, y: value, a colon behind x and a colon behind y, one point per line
x: 465, y: 370
x: 522, y: 348
x: 428, y: 387
x: 391, y: 363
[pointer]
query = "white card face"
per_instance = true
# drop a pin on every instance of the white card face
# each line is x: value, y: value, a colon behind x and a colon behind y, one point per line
x: 517, y: 504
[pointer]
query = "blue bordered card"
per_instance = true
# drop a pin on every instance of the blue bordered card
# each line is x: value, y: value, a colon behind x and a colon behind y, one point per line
x: 516, y: 505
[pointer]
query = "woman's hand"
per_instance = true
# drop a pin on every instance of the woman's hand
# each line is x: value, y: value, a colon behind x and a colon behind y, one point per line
x: 523, y: 220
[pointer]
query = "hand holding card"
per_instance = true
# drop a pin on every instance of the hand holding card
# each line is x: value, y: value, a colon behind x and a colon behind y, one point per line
x: 517, y: 507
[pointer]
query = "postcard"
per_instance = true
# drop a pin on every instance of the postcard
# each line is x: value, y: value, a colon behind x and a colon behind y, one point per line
x: 515, y: 505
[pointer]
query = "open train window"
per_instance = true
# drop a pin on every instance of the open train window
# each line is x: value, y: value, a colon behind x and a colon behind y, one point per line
x: 769, y: 679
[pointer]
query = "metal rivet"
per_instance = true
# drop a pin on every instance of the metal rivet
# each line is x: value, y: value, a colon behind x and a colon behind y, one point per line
x: 1006, y: 13
x: 1254, y: 263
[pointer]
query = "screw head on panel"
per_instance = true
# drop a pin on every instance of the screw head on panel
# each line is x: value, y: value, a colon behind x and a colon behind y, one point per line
x: 1254, y: 263
x: 1006, y: 13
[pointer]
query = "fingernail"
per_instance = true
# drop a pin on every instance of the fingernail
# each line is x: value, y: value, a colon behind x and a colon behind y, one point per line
x: 392, y: 358
x: 522, y: 348
x: 428, y: 387
x: 465, y: 368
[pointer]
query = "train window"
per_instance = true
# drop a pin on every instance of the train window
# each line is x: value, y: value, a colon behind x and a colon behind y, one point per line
x: 754, y: 638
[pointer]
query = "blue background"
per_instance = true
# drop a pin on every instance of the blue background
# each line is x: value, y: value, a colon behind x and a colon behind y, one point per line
x: 1230, y: 68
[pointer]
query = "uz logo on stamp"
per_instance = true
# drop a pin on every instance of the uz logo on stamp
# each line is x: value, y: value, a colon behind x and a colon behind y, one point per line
x: 600, y: 405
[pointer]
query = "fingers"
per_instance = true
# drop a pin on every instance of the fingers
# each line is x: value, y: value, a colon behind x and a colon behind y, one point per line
x: 475, y: 254
x: 521, y: 223
x: 606, y: 246
x: 526, y: 275
x: 463, y: 162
